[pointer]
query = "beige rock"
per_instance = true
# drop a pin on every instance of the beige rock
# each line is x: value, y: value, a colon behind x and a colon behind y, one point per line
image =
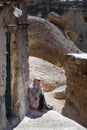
x: 72, y: 36
x: 47, y: 121
x: 59, y: 93
x: 57, y: 20
x: 57, y: 104
x: 48, y: 42
x: 76, y: 92
x: 2, y: 91
x: 51, y: 75
x: 3, y: 119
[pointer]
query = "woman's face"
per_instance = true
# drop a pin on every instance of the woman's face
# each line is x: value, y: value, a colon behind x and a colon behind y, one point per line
x: 38, y: 84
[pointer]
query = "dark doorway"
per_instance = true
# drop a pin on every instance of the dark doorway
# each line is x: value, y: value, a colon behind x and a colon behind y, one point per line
x: 8, y: 77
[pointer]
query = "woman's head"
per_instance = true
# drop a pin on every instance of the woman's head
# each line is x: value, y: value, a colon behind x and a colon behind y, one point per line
x: 36, y: 82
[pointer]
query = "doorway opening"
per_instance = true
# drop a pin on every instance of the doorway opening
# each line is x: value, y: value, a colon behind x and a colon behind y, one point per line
x: 8, y: 77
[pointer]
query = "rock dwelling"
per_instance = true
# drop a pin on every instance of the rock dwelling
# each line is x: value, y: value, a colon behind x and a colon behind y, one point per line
x: 13, y: 59
x: 46, y: 41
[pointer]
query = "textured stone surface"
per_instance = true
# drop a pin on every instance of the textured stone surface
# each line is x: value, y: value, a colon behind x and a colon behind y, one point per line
x: 52, y: 76
x: 48, y: 42
x: 2, y: 74
x: 76, y: 92
x: 72, y: 36
x: 19, y: 62
x: 59, y: 93
x: 57, y: 20
x: 19, y: 59
x: 2, y: 114
x: 20, y: 73
x: 2, y: 57
x: 48, y: 121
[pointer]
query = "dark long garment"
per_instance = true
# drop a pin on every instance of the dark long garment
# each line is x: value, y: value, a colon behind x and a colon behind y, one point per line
x: 42, y: 101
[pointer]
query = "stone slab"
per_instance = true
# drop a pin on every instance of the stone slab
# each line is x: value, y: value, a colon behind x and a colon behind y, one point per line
x: 51, y: 120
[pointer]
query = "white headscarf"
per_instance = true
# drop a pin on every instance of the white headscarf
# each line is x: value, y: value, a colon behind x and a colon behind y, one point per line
x: 35, y: 80
x: 36, y: 90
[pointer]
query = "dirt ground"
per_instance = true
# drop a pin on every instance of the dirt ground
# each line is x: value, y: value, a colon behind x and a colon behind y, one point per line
x: 52, y: 75
x: 57, y: 104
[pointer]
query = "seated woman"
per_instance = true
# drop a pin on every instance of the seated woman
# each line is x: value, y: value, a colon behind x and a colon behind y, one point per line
x: 36, y: 96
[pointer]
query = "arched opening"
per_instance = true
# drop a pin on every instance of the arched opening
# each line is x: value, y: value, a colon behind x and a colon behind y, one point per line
x: 53, y: 81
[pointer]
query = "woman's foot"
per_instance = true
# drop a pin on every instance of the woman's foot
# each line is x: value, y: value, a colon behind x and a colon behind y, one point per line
x: 49, y: 107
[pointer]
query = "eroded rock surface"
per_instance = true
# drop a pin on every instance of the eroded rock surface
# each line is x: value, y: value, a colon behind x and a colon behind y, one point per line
x: 52, y: 76
x: 59, y: 93
x: 48, y: 42
x: 57, y: 20
x: 76, y: 92
x: 48, y: 121
x: 72, y: 36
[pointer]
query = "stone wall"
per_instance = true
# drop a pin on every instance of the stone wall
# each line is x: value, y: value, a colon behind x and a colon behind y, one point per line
x: 76, y: 92
x: 20, y: 72
x: 19, y: 63
x: 3, y: 119
x: 2, y: 73
x: 14, y: 89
